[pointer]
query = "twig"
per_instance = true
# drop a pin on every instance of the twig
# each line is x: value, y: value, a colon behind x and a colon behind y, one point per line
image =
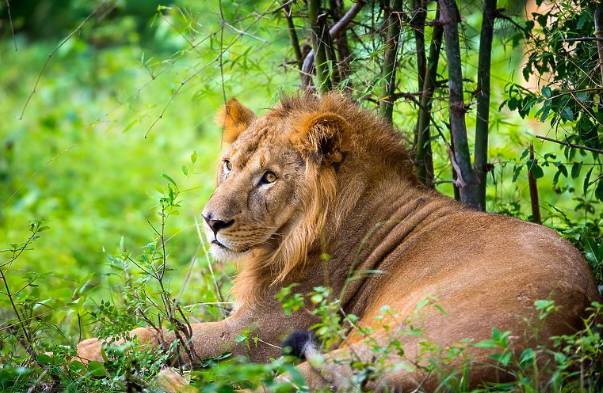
x: 569, y: 144
x: 575, y: 39
x: 55, y: 50
x: 10, y: 21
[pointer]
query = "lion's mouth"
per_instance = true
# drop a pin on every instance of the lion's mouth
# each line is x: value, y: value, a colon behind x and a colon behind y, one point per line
x: 226, y: 248
x: 216, y: 242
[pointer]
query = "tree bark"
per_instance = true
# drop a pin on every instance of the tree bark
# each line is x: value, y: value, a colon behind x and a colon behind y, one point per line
x: 483, y: 99
x: 468, y: 187
x: 319, y: 28
x: 599, y: 35
x: 423, y: 154
x: 392, y: 28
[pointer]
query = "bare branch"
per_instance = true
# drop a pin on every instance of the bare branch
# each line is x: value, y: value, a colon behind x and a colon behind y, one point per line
x: 572, y: 145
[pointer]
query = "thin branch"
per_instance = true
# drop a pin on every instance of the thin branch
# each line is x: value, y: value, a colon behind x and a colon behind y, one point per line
x: 569, y: 144
x: 10, y: 21
x: 56, y: 49
x: 578, y: 39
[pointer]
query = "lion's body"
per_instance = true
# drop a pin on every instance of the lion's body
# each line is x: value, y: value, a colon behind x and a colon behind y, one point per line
x: 345, y: 188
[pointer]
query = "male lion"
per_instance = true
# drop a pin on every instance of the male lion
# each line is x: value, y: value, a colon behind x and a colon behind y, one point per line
x: 320, y: 176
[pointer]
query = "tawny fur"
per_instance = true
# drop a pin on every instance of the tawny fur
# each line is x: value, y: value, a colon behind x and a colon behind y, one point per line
x: 345, y: 188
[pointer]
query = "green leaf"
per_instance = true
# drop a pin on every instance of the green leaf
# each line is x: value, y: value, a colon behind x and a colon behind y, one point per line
x: 561, y: 168
x: 567, y: 114
x: 486, y: 344
x: 97, y: 369
x: 527, y: 356
x: 170, y: 180
x: 586, y: 183
x: 535, y: 169
x: 576, y: 168
x: 43, y: 359
x: 503, y: 358
x: 599, y: 190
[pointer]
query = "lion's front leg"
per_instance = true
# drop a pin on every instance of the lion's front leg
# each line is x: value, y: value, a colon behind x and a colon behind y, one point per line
x: 206, y: 340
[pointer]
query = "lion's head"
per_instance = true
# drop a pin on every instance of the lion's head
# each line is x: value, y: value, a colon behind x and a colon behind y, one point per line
x: 277, y: 180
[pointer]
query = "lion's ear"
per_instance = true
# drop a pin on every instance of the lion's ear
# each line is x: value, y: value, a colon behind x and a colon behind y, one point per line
x: 319, y: 135
x: 234, y: 118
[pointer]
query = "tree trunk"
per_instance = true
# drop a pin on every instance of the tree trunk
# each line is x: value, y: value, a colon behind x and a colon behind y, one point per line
x: 533, y: 186
x: 468, y: 187
x: 599, y: 35
x: 293, y: 34
x: 423, y: 155
x: 483, y: 100
x: 319, y: 29
x: 341, y: 42
x: 392, y: 37
x: 418, y: 26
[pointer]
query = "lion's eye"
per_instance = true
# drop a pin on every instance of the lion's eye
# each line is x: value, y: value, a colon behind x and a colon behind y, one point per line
x: 227, y: 166
x: 268, y: 177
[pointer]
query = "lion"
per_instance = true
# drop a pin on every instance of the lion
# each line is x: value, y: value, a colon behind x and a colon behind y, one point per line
x: 320, y: 176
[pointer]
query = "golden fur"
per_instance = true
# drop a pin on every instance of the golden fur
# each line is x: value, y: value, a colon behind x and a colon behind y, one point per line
x: 321, y: 176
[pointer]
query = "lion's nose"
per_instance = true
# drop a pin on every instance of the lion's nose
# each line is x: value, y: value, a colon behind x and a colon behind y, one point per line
x: 216, y: 224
